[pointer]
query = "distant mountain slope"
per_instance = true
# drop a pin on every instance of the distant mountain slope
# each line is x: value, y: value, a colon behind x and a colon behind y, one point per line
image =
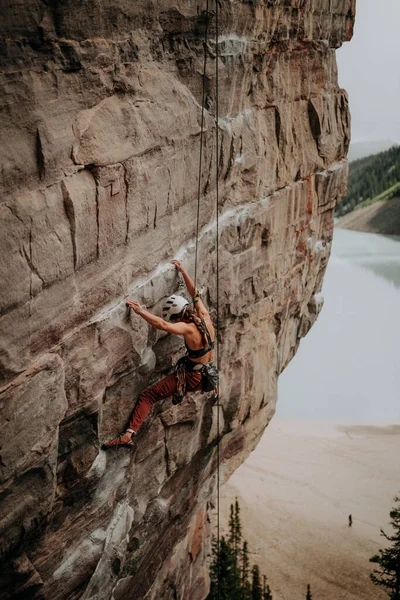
x: 382, y: 217
x: 372, y: 178
x: 359, y: 150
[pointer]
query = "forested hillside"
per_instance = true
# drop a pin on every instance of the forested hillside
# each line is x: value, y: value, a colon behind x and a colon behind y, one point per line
x: 372, y: 178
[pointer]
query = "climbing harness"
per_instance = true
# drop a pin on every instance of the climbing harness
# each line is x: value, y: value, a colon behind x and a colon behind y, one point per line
x: 210, y: 375
x: 180, y: 372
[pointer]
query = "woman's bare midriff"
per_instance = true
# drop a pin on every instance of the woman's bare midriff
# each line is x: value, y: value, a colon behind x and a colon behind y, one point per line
x: 204, y: 359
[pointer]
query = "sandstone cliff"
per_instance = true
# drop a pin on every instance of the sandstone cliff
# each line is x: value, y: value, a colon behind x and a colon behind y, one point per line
x: 100, y: 121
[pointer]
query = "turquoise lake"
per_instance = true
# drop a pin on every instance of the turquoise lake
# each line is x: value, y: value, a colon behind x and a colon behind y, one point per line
x: 347, y: 369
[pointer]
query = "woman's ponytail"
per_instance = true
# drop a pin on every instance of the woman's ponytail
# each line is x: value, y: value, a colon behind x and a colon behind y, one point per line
x: 192, y: 317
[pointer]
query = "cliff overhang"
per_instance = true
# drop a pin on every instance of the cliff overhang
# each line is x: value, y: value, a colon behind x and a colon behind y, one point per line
x: 100, y: 136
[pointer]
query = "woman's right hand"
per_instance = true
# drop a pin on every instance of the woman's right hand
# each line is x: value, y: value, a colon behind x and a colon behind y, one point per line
x: 178, y: 265
x: 135, y: 305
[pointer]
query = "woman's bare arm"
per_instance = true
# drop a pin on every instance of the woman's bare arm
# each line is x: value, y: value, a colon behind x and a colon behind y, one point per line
x: 198, y: 304
x: 158, y: 322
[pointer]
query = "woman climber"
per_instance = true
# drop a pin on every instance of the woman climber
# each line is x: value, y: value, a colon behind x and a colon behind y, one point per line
x: 194, y: 371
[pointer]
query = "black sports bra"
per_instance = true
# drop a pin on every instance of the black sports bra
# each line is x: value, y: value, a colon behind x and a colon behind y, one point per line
x: 202, y: 351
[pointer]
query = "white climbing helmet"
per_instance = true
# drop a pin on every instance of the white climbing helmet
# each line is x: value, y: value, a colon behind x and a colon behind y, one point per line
x: 173, y: 305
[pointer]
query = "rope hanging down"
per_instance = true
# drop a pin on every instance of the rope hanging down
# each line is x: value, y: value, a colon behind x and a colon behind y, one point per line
x: 205, y: 43
x: 217, y: 263
x: 201, y: 144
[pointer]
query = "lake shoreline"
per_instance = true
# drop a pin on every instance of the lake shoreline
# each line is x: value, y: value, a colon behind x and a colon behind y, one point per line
x: 381, y: 217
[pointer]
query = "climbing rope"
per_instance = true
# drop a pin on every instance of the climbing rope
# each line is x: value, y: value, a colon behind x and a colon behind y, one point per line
x: 201, y: 144
x: 217, y: 260
x: 217, y: 331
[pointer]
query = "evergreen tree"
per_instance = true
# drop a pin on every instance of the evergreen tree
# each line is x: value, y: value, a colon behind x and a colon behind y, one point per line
x: 388, y: 575
x: 238, y: 526
x: 266, y: 589
x: 232, y: 526
x: 256, y: 590
x: 309, y: 596
x: 230, y: 566
x: 224, y: 573
x: 235, y: 530
x: 246, y: 588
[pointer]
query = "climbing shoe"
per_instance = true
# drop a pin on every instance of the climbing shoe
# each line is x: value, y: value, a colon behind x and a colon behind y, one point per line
x: 119, y: 442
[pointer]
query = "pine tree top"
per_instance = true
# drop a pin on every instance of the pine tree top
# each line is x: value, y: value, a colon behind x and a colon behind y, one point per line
x: 388, y: 573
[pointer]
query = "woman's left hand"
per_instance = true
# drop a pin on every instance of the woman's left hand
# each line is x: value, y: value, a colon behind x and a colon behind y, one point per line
x: 135, y: 305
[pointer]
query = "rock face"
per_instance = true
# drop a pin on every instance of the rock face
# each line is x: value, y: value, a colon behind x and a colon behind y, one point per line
x: 100, y: 126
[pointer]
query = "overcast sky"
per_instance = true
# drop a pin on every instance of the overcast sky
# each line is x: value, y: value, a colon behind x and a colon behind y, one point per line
x: 369, y: 69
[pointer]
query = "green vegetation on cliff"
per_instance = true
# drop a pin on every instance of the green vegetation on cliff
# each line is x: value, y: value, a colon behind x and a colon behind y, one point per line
x: 372, y: 178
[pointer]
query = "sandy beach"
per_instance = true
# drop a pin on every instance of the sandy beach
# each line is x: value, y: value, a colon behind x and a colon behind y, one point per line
x: 296, y: 491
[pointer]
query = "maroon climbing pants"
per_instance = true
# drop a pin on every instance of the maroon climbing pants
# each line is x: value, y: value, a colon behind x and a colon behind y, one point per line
x: 162, y: 389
